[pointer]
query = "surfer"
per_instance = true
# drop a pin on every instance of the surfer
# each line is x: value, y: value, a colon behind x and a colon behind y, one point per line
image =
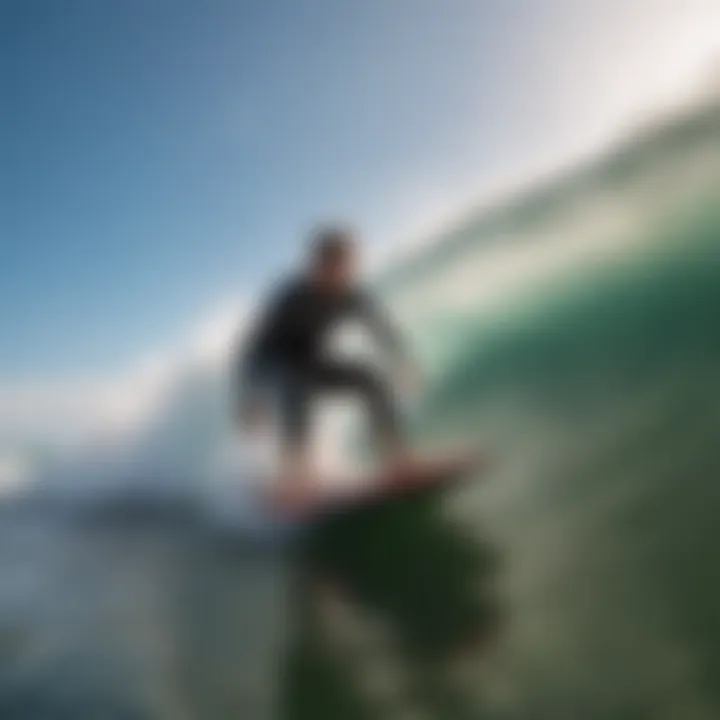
x: 285, y: 358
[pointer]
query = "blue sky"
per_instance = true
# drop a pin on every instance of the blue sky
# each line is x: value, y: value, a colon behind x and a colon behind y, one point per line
x: 159, y: 156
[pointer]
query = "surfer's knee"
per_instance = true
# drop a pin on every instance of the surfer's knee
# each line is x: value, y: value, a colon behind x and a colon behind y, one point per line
x: 369, y: 383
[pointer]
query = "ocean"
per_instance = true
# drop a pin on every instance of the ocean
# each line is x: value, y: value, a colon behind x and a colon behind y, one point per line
x: 572, y: 331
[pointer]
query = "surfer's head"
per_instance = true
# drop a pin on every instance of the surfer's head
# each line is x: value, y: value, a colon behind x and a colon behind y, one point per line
x: 333, y: 258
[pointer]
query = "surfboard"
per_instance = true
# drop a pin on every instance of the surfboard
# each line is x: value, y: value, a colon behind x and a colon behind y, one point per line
x: 386, y: 486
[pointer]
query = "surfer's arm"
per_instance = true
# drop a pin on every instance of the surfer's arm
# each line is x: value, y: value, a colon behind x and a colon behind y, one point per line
x: 376, y: 319
x: 407, y: 374
x: 254, y: 354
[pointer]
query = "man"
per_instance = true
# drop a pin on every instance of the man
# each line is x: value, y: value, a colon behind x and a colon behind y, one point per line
x: 286, y: 356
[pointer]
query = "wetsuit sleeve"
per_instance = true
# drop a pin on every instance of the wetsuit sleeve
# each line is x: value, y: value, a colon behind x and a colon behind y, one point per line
x: 377, y: 320
x: 254, y: 350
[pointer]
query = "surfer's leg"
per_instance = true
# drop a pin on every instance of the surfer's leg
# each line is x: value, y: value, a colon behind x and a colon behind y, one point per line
x: 375, y: 392
x: 295, y: 398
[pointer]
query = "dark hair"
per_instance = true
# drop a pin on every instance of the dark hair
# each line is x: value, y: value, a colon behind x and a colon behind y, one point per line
x: 331, y: 245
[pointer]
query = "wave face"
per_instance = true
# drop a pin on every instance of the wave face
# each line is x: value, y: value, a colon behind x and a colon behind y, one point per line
x: 574, y: 333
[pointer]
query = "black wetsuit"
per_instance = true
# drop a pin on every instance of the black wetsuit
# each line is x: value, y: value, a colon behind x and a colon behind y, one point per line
x: 286, y: 351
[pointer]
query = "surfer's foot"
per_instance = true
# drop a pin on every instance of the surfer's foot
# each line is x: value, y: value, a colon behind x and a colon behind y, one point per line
x: 400, y: 464
x: 294, y: 496
x: 296, y: 488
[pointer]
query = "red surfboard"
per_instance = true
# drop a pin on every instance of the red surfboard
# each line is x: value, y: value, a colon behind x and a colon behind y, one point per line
x: 383, y: 487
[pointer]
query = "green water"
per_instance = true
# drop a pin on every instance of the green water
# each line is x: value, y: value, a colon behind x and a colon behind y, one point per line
x: 586, y: 573
x: 579, y: 578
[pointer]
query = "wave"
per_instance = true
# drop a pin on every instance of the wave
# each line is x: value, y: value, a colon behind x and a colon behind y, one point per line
x: 615, y: 251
